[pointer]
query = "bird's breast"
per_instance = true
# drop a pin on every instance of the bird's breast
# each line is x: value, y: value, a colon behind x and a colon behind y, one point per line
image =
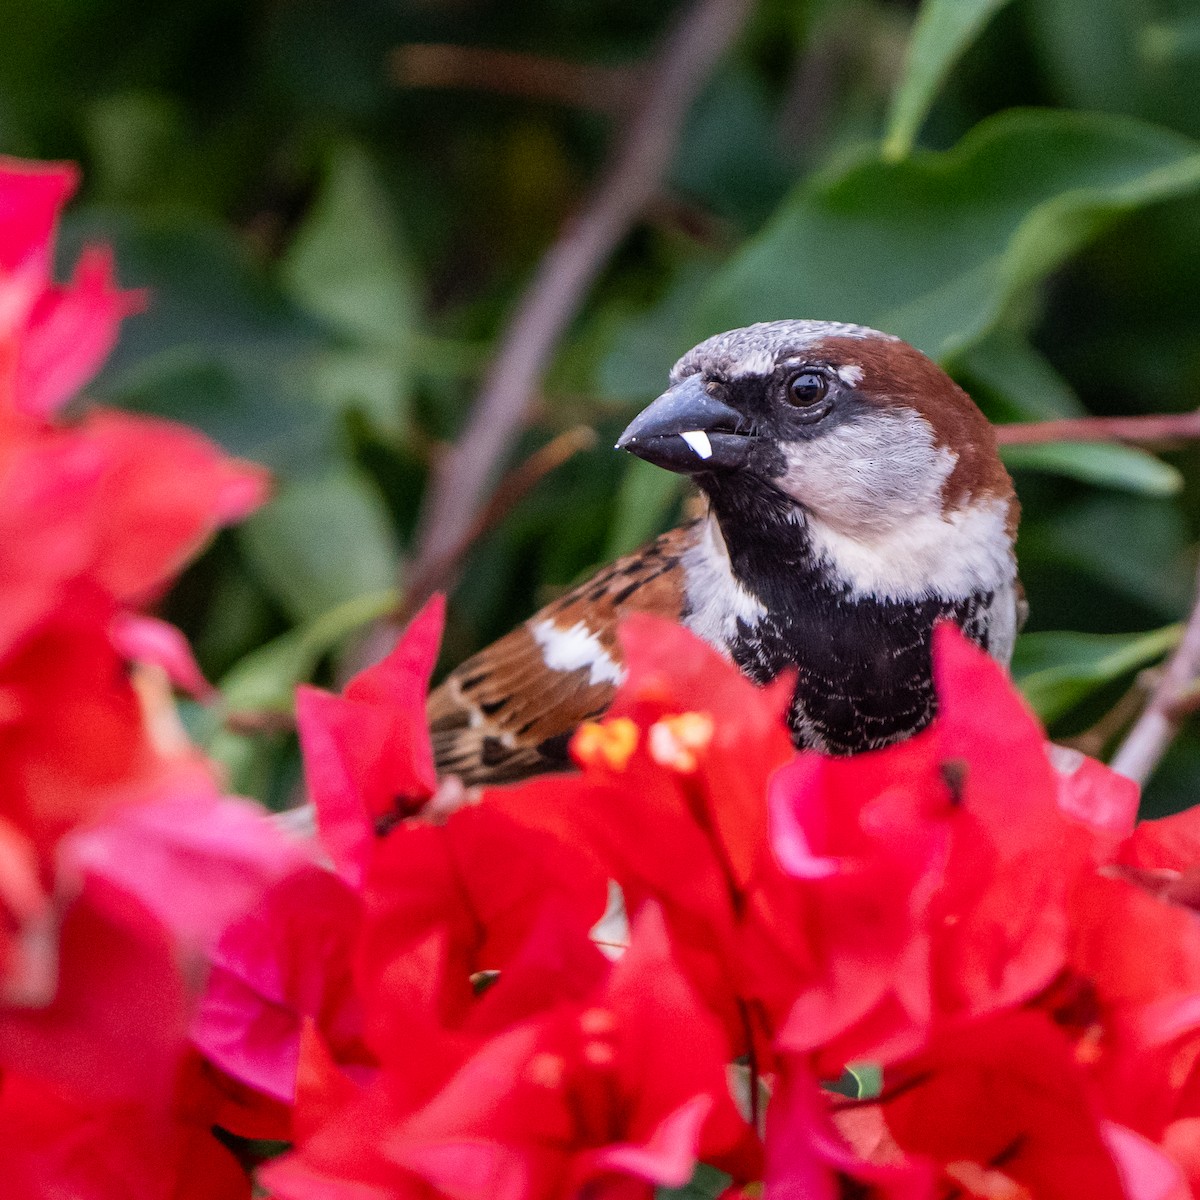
x: 863, y: 668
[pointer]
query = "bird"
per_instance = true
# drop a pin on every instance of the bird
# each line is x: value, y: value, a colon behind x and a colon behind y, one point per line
x: 852, y: 496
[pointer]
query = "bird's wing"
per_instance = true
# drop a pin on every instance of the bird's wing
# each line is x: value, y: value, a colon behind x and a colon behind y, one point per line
x: 510, y: 710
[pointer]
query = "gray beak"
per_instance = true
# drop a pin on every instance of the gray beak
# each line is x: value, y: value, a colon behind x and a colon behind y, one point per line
x: 688, y: 430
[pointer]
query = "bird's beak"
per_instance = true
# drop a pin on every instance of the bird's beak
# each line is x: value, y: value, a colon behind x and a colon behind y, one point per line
x: 688, y: 430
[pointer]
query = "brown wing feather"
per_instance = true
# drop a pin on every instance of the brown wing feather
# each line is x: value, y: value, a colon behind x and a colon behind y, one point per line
x: 505, y: 713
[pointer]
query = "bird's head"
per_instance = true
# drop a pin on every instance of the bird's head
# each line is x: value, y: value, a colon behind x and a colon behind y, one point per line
x: 863, y: 433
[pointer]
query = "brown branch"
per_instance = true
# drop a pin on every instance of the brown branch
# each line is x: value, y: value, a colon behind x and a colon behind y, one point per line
x: 1161, y: 427
x: 603, y: 89
x: 517, y: 484
x: 562, y: 280
x: 259, y: 722
x: 1187, y: 702
x: 1153, y: 732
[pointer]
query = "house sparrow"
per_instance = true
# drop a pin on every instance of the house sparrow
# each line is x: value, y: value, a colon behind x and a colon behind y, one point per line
x: 853, y: 497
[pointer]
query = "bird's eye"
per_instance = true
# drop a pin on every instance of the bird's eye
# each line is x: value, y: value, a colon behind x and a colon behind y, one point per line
x: 807, y: 388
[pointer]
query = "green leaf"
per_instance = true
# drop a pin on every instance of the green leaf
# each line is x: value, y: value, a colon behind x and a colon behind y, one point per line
x: 942, y: 32
x: 645, y: 342
x: 265, y: 681
x: 372, y: 382
x: 219, y: 347
x: 1014, y: 381
x: 1058, y: 670
x: 1102, y: 463
x: 939, y: 247
x: 1135, y: 545
x: 706, y: 1183
x: 136, y: 142
x: 346, y: 265
x: 868, y: 1077
x: 1137, y: 58
x: 267, y: 677
x: 322, y: 541
x: 730, y: 155
x: 646, y: 497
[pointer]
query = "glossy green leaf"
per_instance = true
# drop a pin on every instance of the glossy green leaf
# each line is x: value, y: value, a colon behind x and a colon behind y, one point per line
x: 1104, y: 464
x: 1134, y: 545
x: 136, y: 142
x: 219, y: 346
x: 1120, y: 56
x: 346, y: 264
x: 321, y: 542
x: 265, y: 682
x: 942, y: 32
x: 706, y: 1183
x: 1058, y: 670
x: 1013, y: 381
x: 645, y: 342
x: 267, y: 677
x: 937, y: 247
x: 869, y: 1077
x: 370, y: 381
x: 645, y: 500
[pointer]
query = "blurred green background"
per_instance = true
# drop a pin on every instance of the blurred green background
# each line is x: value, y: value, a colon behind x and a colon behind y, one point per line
x: 333, y: 243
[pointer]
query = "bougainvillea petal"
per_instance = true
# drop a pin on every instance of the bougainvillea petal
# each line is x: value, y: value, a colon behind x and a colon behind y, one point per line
x: 481, y: 879
x: 148, y: 640
x: 668, y: 1155
x: 31, y: 197
x: 367, y: 754
x: 75, y: 736
x: 322, y: 1087
x: 1005, y: 1095
x: 470, y: 1169
x: 807, y: 1155
x: 671, y: 672
x: 1146, y: 1171
x: 341, y: 746
x: 1093, y: 793
x: 401, y: 678
x: 171, y: 484
x: 28, y: 925
x: 97, y: 1151
x: 194, y: 857
x: 69, y: 332
x: 286, y: 962
x: 115, y: 1027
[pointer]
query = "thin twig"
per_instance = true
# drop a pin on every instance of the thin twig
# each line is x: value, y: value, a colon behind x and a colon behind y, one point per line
x: 1161, y: 427
x: 1152, y: 733
x: 1187, y: 702
x: 1093, y: 740
x: 259, y: 722
x: 603, y: 89
x: 562, y: 280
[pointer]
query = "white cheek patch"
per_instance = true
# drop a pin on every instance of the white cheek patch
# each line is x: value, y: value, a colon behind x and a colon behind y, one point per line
x: 868, y: 476
x: 871, y: 497
x: 574, y: 648
x: 698, y: 440
x: 851, y: 374
x: 965, y: 551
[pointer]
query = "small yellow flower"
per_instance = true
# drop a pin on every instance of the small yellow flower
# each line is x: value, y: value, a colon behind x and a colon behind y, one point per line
x: 609, y: 742
x: 677, y: 742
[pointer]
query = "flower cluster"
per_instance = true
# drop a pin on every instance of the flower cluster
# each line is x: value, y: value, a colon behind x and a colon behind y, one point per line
x: 685, y: 952
x: 120, y: 860
x: 460, y: 1005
